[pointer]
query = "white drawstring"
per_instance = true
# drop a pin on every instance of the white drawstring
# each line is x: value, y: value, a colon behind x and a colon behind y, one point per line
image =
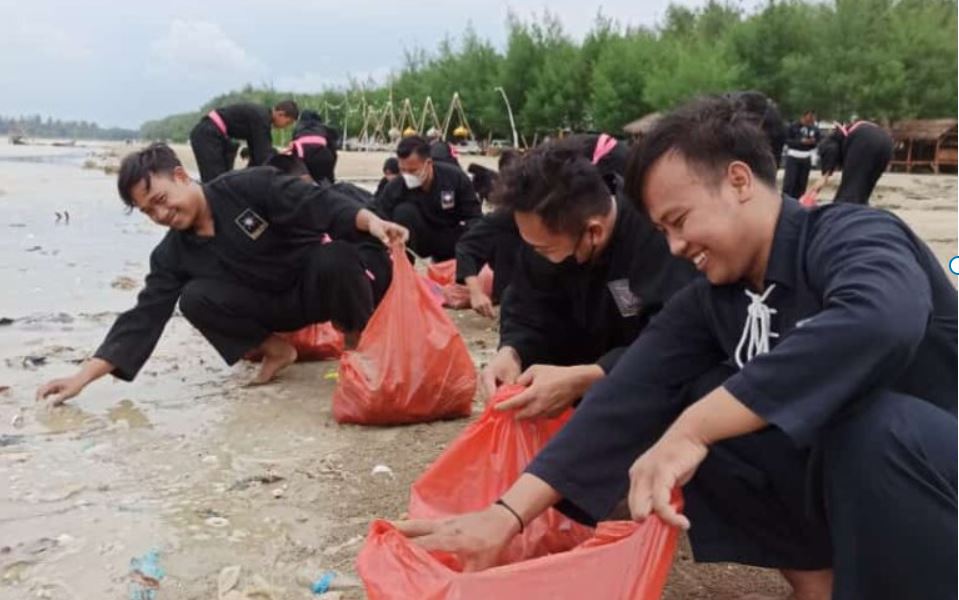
x: 756, y: 329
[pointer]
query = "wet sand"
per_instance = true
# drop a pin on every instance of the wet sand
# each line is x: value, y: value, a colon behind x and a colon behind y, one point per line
x: 186, y: 460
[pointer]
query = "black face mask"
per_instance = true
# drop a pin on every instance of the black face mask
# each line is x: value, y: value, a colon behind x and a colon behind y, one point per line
x: 570, y: 264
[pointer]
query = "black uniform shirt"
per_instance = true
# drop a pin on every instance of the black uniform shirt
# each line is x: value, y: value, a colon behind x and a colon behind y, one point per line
x: 590, y: 313
x: 265, y: 224
x: 449, y: 202
x: 253, y: 123
x: 861, y: 304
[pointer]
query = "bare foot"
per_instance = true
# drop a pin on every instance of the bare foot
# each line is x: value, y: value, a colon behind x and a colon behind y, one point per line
x: 277, y: 355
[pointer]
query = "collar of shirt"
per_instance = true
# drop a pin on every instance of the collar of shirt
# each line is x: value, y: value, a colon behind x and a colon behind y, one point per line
x: 781, y: 268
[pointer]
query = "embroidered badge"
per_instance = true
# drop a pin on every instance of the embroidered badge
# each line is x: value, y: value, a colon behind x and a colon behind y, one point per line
x: 252, y: 224
x: 447, y: 199
x: 626, y: 301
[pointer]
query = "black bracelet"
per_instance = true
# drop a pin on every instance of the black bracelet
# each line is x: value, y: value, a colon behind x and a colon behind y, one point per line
x: 515, y: 514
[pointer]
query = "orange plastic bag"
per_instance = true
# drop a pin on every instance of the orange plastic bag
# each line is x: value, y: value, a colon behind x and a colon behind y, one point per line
x: 622, y: 561
x: 411, y: 364
x: 810, y: 198
x: 443, y: 273
x: 320, y: 341
x: 481, y: 464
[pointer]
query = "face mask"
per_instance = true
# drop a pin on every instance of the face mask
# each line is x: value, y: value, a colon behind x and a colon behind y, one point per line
x: 412, y: 181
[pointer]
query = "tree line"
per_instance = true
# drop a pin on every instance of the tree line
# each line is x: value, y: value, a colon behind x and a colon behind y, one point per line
x: 883, y: 60
x: 37, y: 126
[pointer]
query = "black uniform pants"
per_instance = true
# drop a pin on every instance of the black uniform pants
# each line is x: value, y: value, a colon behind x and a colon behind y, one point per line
x: 427, y: 240
x: 236, y: 319
x: 214, y: 151
x: 796, y: 176
x: 874, y: 498
x: 861, y: 169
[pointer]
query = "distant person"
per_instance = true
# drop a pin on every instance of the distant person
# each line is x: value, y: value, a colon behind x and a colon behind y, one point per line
x: 244, y: 255
x: 801, y: 141
x: 315, y: 143
x: 763, y: 111
x: 212, y: 138
x: 484, y: 179
x: 862, y: 150
x: 444, y: 152
x: 435, y: 201
x: 391, y: 170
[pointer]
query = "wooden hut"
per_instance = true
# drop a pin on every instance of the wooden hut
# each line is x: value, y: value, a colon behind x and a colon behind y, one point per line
x: 924, y: 145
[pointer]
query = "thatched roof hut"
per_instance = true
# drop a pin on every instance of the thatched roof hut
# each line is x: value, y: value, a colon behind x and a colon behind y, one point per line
x: 925, y: 144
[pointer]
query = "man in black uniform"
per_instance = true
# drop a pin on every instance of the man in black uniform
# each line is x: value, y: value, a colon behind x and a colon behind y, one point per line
x: 391, y: 170
x: 817, y: 433
x: 315, y: 142
x: 801, y: 140
x: 590, y: 274
x: 244, y: 256
x: 862, y: 151
x: 212, y: 138
x: 434, y: 201
x: 765, y: 113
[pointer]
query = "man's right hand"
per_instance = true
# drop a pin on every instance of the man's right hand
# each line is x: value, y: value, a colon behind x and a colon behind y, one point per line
x: 61, y: 389
x: 477, y: 539
x: 67, y: 387
x: 482, y: 304
x: 505, y: 368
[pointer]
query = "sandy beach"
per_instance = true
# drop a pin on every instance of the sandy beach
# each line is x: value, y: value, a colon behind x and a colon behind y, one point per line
x: 186, y: 460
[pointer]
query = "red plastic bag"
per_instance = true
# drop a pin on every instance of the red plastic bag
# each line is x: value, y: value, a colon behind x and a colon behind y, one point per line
x: 623, y: 561
x: 810, y: 198
x: 443, y: 273
x: 482, y: 463
x: 411, y: 364
x: 320, y: 341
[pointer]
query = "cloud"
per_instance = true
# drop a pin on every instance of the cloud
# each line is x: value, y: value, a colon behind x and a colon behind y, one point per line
x: 202, y: 50
x: 47, y: 39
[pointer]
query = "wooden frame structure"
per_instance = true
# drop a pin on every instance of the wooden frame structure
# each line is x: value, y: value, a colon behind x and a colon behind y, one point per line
x: 925, y: 145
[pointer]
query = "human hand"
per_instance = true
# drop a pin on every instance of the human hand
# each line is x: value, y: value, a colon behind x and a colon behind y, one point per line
x: 477, y: 539
x: 482, y: 304
x: 550, y: 389
x: 61, y: 389
x: 669, y: 463
x: 505, y: 368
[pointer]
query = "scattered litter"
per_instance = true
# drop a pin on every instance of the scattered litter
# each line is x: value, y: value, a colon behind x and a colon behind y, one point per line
x: 334, y: 550
x: 145, y: 576
x: 278, y: 493
x: 124, y: 283
x: 217, y: 522
x: 332, y: 376
x: 382, y: 469
x: 228, y: 580
x: 31, y: 362
x: 4, y: 389
x: 210, y: 459
x: 34, y: 248
x: 17, y: 421
x: 246, y: 482
x: 331, y: 581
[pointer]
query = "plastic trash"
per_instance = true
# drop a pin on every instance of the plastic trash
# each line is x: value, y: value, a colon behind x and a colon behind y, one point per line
x: 145, y: 576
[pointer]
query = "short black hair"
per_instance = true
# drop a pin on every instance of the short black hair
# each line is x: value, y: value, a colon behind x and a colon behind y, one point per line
x: 506, y: 158
x: 288, y: 164
x: 288, y: 108
x: 391, y: 165
x: 556, y: 182
x: 413, y: 144
x: 142, y: 165
x: 709, y: 132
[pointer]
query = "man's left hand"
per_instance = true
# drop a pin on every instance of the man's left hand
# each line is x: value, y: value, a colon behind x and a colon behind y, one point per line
x: 669, y: 463
x: 551, y: 389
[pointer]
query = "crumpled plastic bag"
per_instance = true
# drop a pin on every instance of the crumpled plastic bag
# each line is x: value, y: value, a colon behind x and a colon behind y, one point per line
x: 622, y: 561
x: 411, y: 364
x: 482, y: 463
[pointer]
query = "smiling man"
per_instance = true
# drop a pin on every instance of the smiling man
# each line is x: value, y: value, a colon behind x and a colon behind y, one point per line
x: 244, y: 256
x: 803, y: 394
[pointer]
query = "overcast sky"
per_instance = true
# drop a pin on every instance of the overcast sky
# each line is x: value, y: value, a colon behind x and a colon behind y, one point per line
x: 120, y: 62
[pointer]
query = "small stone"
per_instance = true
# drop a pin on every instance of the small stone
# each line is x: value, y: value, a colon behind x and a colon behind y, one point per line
x: 278, y: 493
x: 217, y: 522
